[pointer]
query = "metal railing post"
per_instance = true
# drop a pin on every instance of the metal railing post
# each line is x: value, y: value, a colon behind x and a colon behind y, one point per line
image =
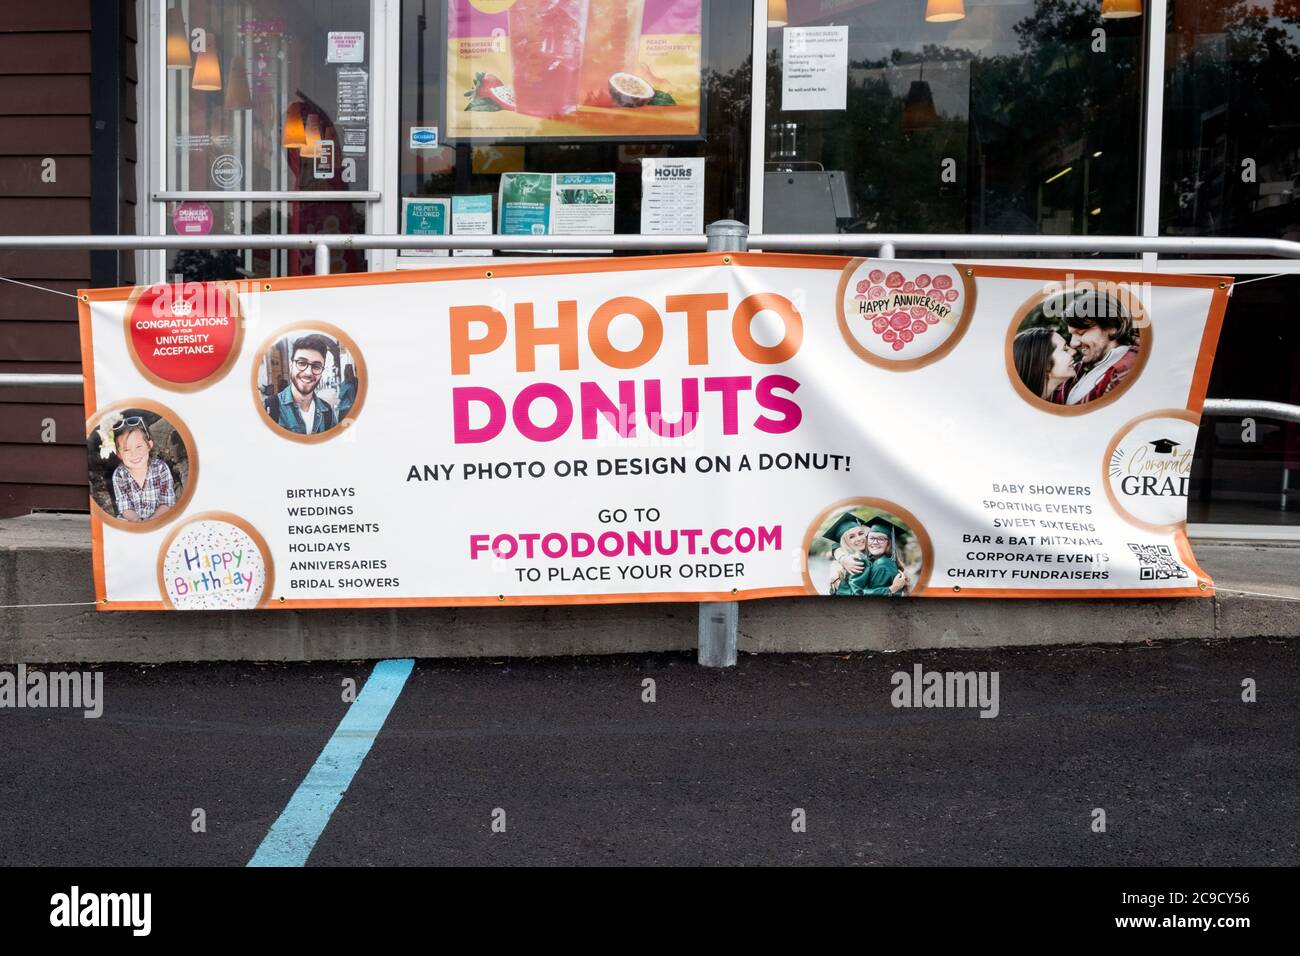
x: 887, y: 251
x: 322, y: 259
x: 720, y: 620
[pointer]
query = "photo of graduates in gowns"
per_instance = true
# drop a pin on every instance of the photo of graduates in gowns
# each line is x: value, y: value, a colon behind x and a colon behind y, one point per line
x: 864, y: 552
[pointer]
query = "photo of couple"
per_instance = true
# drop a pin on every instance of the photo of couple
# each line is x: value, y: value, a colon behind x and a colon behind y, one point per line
x: 139, y: 466
x: 307, y: 382
x: 1075, y: 348
x: 864, y: 552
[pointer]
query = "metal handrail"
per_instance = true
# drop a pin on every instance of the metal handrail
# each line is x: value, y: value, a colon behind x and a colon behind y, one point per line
x: 336, y: 242
x: 267, y: 195
x: 637, y: 241
x: 737, y: 234
x: 1251, y: 408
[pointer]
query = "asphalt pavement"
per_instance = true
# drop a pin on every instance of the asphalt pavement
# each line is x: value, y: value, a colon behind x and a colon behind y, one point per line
x: 574, y: 766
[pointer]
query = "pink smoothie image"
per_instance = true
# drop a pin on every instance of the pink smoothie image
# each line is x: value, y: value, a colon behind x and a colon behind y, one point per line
x: 546, y: 44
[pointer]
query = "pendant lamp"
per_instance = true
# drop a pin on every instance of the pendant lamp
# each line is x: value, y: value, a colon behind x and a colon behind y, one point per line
x: 777, y: 14
x: 178, y: 41
x: 238, y: 96
x: 207, y: 71
x: 295, y: 134
x: 1120, y: 9
x: 944, y: 11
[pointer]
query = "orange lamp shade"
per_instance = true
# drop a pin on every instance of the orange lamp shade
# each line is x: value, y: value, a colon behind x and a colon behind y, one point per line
x: 238, y: 96
x: 207, y: 72
x: 944, y: 11
x: 295, y: 134
x: 178, y: 41
x: 312, y: 149
x: 777, y: 14
x: 1120, y: 9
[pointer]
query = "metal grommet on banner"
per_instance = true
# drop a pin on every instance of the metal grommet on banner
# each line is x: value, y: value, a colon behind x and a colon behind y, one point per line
x: 1223, y: 285
x: 84, y: 297
x: 956, y: 589
x: 266, y: 287
x: 970, y: 272
x: 1203, y: 586
x: 501, y: 597
x: 735, y: 590
x: 281, y: 598
x: 726, y: 260
x: 488, y: 274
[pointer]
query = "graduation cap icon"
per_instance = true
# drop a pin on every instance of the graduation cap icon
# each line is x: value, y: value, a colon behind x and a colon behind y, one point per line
x: 1163, y: 446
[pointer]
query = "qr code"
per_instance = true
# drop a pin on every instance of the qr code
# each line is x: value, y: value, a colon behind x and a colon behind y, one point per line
x: 1157, y: 563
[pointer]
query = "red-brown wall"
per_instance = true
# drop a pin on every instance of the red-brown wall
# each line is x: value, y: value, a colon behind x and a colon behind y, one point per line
x: 46, y: 112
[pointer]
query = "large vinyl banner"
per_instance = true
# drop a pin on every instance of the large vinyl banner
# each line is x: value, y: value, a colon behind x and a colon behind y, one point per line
x: 695, y: 427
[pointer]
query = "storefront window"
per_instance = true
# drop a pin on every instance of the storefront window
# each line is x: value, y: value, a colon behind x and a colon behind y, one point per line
x: 1022, y: 116
x: 1248, y: 471
x: 579, y: 93
x: 266, y: 95
x: 1231, y: 150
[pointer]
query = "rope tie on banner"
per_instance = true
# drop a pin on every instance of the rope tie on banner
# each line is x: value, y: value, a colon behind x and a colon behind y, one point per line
x: 17, y: 607
x: 1263, y: 594
x: 40, y: 288
x: 1276, y: 275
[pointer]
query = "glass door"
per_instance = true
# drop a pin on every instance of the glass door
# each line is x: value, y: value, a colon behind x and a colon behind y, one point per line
x: 267, y: 128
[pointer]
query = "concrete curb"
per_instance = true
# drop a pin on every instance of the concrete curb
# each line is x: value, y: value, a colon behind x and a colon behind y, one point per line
x: 46, y: 560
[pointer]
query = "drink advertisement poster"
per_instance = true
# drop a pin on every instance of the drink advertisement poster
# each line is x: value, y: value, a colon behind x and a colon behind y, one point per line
x: 573, y: 69
x: 704, y: 427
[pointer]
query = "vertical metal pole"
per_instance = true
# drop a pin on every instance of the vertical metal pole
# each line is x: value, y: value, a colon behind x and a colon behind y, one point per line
x: 887, y: 250
x: 719, y: 620
x: 758, y: 115
x: 322, y: 259
x: 1150, y: 166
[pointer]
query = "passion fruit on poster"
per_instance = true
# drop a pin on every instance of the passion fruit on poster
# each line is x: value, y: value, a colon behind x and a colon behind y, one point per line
x: 627, y: 89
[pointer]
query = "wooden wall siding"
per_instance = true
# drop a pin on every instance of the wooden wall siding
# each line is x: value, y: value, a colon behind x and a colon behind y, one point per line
x: 45, y: 111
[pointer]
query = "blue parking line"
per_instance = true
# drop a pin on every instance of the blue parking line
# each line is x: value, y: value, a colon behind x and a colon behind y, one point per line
x: 290, y: 840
